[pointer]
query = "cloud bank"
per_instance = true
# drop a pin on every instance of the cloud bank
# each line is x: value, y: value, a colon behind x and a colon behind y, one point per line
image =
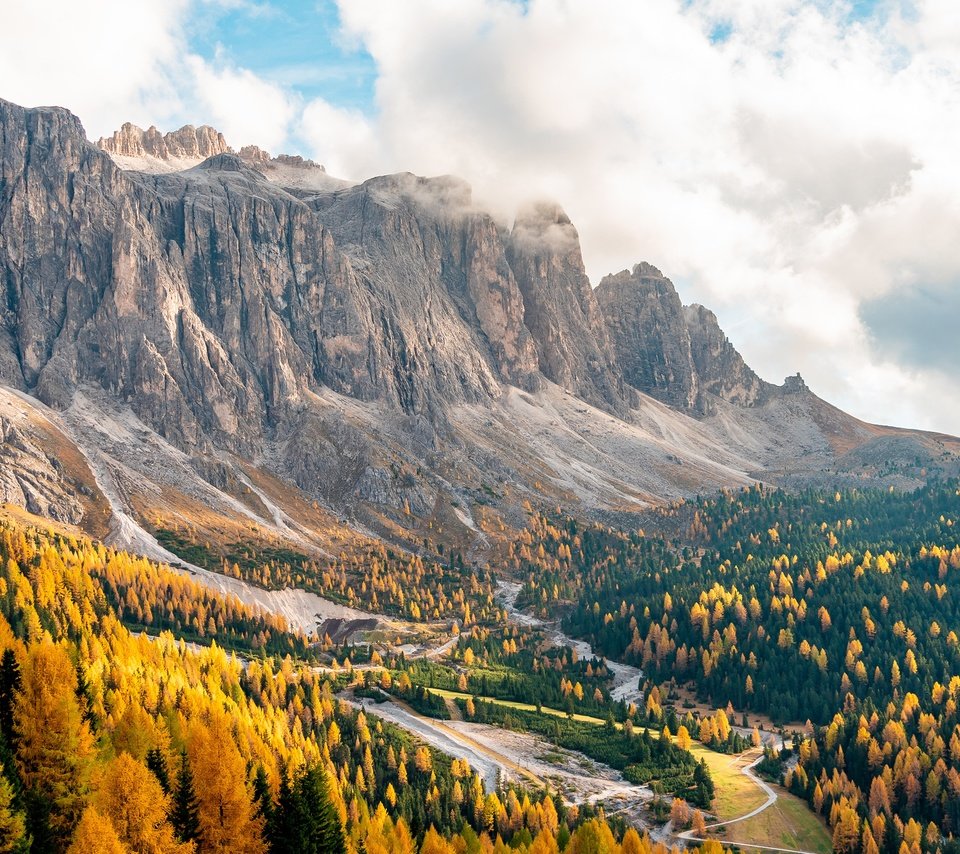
x: 790, y: 164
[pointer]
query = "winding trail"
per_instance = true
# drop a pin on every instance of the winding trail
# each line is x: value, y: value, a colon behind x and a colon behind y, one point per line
x: 626, y: 678
x: 626, y: 687
x: 772, y: 796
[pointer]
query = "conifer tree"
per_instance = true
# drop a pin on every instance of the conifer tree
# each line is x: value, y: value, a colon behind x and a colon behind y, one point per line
x: 13, y: 830
x: 9, y: 686
x: 185, y: 812
x: 227, y: 814
x: 131, y: 797
x: 263, y: 799
x: 326, y: 832
x: 54, y: 743
x: 95, y: 834
x: 157, y: 763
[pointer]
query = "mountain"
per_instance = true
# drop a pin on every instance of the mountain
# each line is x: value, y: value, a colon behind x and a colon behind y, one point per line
x: 245, y: 348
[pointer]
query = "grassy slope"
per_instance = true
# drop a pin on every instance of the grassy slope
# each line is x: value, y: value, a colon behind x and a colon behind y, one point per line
x: 789, y: 823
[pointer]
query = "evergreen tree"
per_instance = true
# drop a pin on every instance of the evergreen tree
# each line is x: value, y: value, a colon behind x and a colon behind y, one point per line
x: 185, y: 812
x: 9, y: 685
x: 263, y: 799
x: 157, y: 763
x: 325, y: 831
x: 306, y: 820
x: 282, y: 831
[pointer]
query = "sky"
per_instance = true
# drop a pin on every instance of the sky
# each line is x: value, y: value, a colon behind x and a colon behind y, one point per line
x: 791, y: 164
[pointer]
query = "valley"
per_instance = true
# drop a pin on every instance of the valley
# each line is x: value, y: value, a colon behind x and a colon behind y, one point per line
x: 343, y: 516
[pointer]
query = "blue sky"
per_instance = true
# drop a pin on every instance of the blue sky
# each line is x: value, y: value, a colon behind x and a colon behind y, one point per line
x: 295, y: 43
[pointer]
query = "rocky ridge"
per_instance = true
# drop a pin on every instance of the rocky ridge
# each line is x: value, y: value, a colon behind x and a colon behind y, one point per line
x: 386, y: 352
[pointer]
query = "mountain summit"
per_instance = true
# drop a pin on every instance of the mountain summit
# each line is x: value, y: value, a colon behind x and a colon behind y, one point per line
x: 248, y: 346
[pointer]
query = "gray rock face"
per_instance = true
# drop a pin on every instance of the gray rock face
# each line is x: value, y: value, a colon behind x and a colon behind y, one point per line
x: 720, y: 368
x: 646, y: 324
x: 561, y: 309
x: 446, y: 315
x: 31, y: 477
x: 218, y: 305
x: 673, y: 352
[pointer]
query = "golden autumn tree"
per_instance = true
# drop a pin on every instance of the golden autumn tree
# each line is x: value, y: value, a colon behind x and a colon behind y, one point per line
x: 95, y: 835
x: 55, y: 746
x: 545, y: 843
x: 130, y: 796
x: 632, y: 843
x: 592, y: 837
x: 228, y: 820
x: 12, y: 824
x: 434, y: 843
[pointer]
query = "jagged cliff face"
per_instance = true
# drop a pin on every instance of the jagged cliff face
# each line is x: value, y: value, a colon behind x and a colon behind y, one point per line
x: 675, y: 353
x: 720, y: 369
x: 214, y: 301
x: 561, y: 309
x: 645, y: 320
x: 188, y: 143
x: 385, y: 350
x: 446, y: 316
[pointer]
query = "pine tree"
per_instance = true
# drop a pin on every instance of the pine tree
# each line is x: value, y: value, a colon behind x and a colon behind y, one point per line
x: 157, y: 763
x: 263, y: 799
x: 282, y: 830
x: 9, y: 686
x: 185, y: 812
x: 306, y: 820
x: 326, y: 832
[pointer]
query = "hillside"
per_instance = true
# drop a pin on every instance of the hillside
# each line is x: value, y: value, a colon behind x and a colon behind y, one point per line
x: 242, y: 348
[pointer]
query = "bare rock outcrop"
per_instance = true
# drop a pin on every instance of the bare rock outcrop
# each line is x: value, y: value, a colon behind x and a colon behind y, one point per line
x: 720, y: 368
x: 187, y: 143
x: 561, y: 308
x: 645, y: 322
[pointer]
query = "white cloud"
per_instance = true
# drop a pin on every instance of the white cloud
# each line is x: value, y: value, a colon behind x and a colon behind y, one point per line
x: 100, y: 58
x: 803, y: 164
x: 111, y: 61
x: 245, y: 108
x: 347, y: 139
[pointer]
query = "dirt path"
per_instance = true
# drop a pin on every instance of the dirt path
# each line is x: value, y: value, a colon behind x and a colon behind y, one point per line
x: 747, y: 770
x: 452, y: 741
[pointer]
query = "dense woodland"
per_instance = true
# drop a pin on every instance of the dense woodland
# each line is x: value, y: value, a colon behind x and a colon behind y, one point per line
x: 376, y: 578
x: 116, y: 741
x: 837, y: 608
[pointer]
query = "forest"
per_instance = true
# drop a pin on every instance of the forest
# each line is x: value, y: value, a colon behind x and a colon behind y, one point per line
x: 834, y: 612
x: 116, y: 740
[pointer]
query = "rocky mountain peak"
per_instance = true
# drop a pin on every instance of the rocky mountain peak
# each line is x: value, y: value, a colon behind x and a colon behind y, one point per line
x: 795, y: 385
x: 721, y: 369
x: 385, y: 348
x: 224, y: 162
x: 645, y: 321
x: 560, y: 308
x: 187, y: 143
